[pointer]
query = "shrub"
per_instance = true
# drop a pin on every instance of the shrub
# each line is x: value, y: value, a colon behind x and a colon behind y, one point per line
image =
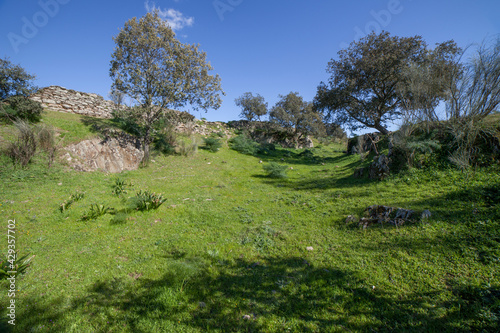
x: 46, y: 141
x: 212, y: 144
x: 21, y: 107
x: 146, y: 200
x: 266, y: 148
x: 244, y: 145
x: 275, y: 170
x: 186, y: 149
x: 307, y: 154
x: 165, y: 136
x: 24, y: 148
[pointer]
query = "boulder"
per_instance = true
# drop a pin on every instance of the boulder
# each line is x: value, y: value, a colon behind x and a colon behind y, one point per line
x: 379, y: 169
x: 385, y: 214
x: 109, y: 155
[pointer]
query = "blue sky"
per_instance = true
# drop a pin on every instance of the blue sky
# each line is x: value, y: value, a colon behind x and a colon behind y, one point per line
x: 265, y: 47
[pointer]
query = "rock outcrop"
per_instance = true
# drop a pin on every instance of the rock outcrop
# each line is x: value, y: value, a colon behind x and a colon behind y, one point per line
x: 66, y: 100
x: 110, y: 155
x: 385, y: 214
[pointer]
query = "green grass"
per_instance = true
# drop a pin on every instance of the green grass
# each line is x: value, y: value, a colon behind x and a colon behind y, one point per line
x: 71, y: 127
x: 227, y: 251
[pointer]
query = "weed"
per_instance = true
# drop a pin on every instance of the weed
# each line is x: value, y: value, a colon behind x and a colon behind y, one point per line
x: 120, y: 186
x: 146, y: 200
x: 19, y: 265
x: 96, y: 211
x: 72, y: 198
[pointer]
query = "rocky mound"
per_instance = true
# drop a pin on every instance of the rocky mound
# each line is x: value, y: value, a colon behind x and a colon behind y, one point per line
x: 109, y: 155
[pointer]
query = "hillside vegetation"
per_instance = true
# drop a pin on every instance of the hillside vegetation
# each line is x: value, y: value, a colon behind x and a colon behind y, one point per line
x: 232, y: 250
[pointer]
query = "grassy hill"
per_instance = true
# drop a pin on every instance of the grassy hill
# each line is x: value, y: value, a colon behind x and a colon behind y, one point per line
x: 232, y: 250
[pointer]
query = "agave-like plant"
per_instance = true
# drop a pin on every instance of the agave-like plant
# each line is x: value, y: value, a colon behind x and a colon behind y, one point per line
x: 18, y: 265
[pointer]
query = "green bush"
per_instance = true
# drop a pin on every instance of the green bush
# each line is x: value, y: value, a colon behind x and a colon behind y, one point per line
x: 21, y: 107
x: 275, y: 170
x: 266, y: 148
x: 244, y: 145
x: 212, y: 144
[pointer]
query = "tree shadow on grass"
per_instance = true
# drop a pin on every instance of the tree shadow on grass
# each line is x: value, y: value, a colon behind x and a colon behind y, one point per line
x: 36, y: 315
x: 273, y: 295
x: 295, y: 158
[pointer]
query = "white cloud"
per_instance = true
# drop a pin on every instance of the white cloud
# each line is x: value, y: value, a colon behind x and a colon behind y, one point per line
x: 174, y: 18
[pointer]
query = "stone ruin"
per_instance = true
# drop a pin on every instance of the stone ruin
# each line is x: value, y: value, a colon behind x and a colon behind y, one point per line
x: 66, y: 100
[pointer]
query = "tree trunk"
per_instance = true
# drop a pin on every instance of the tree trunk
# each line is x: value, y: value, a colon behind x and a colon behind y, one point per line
x: 145, y: 159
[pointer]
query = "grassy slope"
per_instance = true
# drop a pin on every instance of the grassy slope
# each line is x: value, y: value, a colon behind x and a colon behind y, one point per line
x: 229, y: 242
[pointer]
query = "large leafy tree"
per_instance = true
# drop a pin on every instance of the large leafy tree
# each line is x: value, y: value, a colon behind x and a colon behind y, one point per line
x: 296, y: 115
x: 252, y: 107
x: 368, y: 81
x: 157, y: 71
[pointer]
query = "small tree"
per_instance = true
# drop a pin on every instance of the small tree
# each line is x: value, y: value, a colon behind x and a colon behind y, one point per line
x: 293, y: 113
x: 156, y: 70
x: 252, y: 107
x: 117, y: 97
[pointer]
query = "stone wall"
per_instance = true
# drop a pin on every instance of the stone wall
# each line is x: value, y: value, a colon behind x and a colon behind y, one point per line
x: 66, y: 100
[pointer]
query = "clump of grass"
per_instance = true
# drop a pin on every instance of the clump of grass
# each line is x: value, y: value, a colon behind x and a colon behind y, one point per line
x: 261, y: 237
x: 147, y: 200
x: 275, y: 170
x: 96, y: 211
x: 186, y: 149
x: 212, y: 144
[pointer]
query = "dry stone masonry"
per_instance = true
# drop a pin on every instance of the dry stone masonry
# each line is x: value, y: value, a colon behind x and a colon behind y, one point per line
x: 66, y: 100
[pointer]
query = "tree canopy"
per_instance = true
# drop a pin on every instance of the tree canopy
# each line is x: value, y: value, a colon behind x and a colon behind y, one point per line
x: 14, y: 80
x: 157, y: 71
x: 252, y: 107
x: 293, y: 113
x: 369, y: 81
